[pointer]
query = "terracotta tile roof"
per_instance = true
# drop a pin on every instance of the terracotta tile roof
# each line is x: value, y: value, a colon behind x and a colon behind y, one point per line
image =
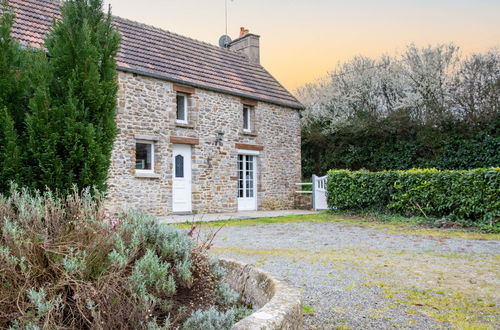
x: 158, y: 53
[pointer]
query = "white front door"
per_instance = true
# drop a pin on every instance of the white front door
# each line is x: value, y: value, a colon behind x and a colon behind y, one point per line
x: 181, y: 178
x: 247, y: 183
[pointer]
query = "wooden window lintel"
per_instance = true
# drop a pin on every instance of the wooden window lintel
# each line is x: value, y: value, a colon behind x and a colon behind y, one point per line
x: 248, y: 102
x: 184, y: 89
x: 244, y: 146
x: 184, y: 140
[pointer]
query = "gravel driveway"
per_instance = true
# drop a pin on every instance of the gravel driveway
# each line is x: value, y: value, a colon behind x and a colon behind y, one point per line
x: 355, y: 277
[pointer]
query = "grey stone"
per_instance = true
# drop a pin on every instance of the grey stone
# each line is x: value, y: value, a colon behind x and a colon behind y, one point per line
x: 280, y: 304
x: 146, y: 107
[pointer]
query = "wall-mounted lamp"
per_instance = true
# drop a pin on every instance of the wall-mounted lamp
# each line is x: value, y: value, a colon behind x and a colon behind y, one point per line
x: 219, y: 138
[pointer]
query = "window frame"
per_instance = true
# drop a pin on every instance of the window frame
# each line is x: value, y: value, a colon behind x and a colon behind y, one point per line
x: 244, y: 160
x: 152, y: 170
x: 248, y: 121
x: 186, y: 97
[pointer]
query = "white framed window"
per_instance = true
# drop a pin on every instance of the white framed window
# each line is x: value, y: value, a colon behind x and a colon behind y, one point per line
x: 247, y: 118
x: 144, y: 156
x: 182, y: 108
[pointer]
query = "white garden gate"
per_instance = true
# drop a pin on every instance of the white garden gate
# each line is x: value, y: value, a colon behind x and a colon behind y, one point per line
x: 319, y: 192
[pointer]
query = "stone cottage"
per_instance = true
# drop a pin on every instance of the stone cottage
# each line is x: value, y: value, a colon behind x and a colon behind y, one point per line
x: 202, y: 129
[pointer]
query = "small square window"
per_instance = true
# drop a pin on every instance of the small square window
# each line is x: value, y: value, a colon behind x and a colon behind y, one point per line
x: 144, y: 156
x: 247, y: 118
x: 182, y: 113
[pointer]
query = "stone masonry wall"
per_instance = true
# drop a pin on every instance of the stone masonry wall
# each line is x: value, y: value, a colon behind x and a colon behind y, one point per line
x: 147, y: 110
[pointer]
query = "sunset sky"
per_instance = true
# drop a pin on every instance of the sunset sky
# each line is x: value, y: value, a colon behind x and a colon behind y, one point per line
x: 301, y: 40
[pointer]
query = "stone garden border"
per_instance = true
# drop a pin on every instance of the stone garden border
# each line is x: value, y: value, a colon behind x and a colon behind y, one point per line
x: 280, y: 304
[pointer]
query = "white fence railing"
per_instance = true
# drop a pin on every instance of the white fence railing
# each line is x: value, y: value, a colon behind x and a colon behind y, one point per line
x: 304, y: 191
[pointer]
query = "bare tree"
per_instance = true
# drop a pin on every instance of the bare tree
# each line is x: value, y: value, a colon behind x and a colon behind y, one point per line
x: 476, y: 87
x: 432, y: 85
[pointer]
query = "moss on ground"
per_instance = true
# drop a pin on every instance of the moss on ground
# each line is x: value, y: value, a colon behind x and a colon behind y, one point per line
x: 405, y: 228
x: 307, y: 310
x: 460, y: 291
x: 460, y: 310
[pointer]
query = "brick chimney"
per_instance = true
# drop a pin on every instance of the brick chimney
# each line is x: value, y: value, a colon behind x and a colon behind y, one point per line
x: 247, y: 44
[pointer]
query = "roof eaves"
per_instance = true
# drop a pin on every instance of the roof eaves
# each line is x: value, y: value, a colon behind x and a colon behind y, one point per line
x: 297, y: 106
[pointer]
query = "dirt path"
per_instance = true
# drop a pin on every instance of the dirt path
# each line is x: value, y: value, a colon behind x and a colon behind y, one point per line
x: 364, y: 278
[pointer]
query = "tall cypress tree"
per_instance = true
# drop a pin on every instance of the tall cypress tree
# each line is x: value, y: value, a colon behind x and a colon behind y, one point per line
x: 10, y: 155
x: 45, y: 162
x: 13, y: 83
x: 13, y: 101
x: 72, y: 126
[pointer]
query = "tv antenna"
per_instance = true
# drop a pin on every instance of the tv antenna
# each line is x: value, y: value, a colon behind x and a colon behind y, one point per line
x: 225, y: 40
x: 226, y: 14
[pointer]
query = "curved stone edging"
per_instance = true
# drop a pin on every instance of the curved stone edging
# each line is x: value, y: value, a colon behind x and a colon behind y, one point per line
x: 280, y: 304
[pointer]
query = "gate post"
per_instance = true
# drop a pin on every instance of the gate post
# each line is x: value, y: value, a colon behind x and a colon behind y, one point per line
x: 314, y: 179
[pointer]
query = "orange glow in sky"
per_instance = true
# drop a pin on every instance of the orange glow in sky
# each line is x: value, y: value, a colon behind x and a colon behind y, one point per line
x: 301, y: 40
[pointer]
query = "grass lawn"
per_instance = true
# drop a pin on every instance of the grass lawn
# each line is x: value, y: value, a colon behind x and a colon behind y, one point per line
x: 390, y: 224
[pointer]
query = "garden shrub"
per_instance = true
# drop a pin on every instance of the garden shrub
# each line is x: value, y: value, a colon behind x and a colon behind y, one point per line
x: 470, y: 198
x: 64, y: 264
x: 359, y: 190
x: 210, y: 319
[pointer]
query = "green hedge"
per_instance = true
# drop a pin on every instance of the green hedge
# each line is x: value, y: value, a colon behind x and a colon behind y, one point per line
x: 468, y: 197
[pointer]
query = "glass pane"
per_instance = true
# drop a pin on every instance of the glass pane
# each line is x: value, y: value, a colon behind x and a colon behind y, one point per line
x: 240, y: 180
x: 179, y: 166
x: 249, y: 186
x: 249, y: 176
x: 143, y: 156
x: 250, y: 163
x: 246, y: 118
x: 181, y: 107
x: 240, y: 176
